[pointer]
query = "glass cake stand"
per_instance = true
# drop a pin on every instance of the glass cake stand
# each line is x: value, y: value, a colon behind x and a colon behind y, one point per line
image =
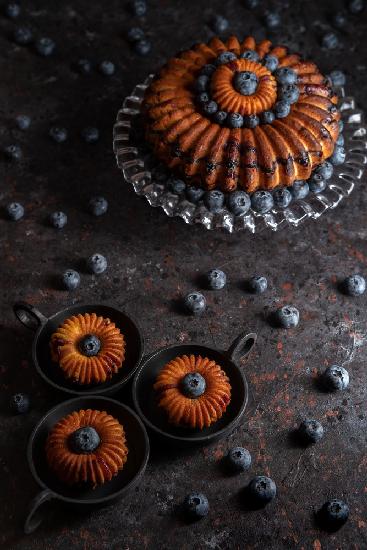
x: 137, y: 171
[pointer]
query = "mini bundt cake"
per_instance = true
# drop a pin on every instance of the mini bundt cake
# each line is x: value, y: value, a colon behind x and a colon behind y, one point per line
x: 88, y: 348
x: 86, y: 446
x: 193, y: 390
x: 231, y: 115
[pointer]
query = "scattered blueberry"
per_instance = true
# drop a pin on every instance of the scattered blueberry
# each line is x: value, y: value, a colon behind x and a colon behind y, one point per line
x: 107, y: 68
x: 245, y: 82
x: 220, y: 117
x: 271, y: 62
x: 176, y: 185
x: 282, y: 109
x: 71, y: 279
x: 216, y: 279
x: 262, y: 201
x: 23, y: 36
x: 210, y: 108
x: 208, y: 69
x: 193, y: 385
x: 338, y: 156
x: 84, y: 440
x: 334, y: 513
x: 335, y: 378
x: 272, y: 19
x: 330, y: 41
x: 23, y: 122
x: 214, y: 200
x: 15, y: 211
x: 235, y: 120
x: 90, y: 345
x: 262, y: 489
x: 337, y: 78
x: 287, y: 317
x: 139, y: 7
x: 45, y: 46
x: 286, y: 75
x: 225, y: 57
x: 252, y: 55
x: 339, y: 20
x: 134, y: 34
x: 97, y: 264
x: 251, y: 121
x: 219, y: 24
x: 317, y: 185
x: 282, y: 197
x: 356, y: 6
x: 203, y: 98
x: 143, y: 47
x: 19, y: 403
x: 58, y: 134
x: 239, y: 202
x: 354, y: 285
x: 196, y: 506
x: 98, y: 206
x: 310, y: 431
x: 300, y: 189
x: 340, y: 140
x: 58, y: 220
x: 13, y: 152
x: 90, y: 134
x: 12, y: 10
x: 83, y: 66
x: 323, y: 171
x: 251, y: 4
x: 267, y: 117
x: 257, y: 284
x: 238, y: 459
x: 194, y: 194
x: 289, y: 93
x: 194, y: 303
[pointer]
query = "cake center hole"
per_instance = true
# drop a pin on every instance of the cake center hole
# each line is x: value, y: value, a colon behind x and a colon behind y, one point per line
x: 245, y: 82
x: 193, y: 385
x: 90, y: 345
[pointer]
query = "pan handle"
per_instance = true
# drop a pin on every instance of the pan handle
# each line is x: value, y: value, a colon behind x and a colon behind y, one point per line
x: 32, y: 523
x: 28, y: 315
x: 242, y: 346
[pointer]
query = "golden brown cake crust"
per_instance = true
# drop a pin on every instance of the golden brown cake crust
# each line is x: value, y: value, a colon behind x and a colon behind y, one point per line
x: 94, y: 468
x: 65, y: 350
x: 214, y: 156
x: 184, y: 411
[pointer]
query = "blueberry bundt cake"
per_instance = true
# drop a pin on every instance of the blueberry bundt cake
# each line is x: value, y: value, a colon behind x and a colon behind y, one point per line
x: 248, y: 116
x: 193, y: 390
x: 88, y: 348
x: 86, y: 446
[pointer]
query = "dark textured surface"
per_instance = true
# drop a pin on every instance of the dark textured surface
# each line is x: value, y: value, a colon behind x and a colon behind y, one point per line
x: 152, y: 261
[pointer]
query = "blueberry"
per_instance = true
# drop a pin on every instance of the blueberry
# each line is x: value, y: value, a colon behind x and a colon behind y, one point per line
x: 262, y: 201
x: 194, y: 303
x: 220, y: 117
x: 341, y: 125
x: 338, y: 156
x: 202, y: 83
x: 252, y: 55
x: 83, y: 66
x: 356, y: 6
x: 134, y: 34
x: 23, y: 122
x: 70, y: 279
x: 267, y: 117
x: 257, y: 284
x: 203, y: 98
x: 214, y: 200
x: 339, y: 20
x: 340, y: 140
x: 245, y: 82
x: 282, y: 108
x: 337, y: 78
x: 97, y: 264
x: 177, y: 186
x: 225, y: 57
x: 107, y: 68
x: 239, y: 202
x: 89, y: 345
x: 58, y: 134
x: 354, y: 285
x: 324, y: 170
x: 234, y: 120
x: 23, y: 36
x: 19, y: 403
x: 317, y: 185
x: 45, y: 46
x: 287, y: 317
x: 251, y: 4
x: 251, y: 121
x: 90, y: 134
x: 310, y: 431
x: 196, y: 506
x: 238, y: 459
x: 84, y: 440
x: 208, y: 69
x: 271, y: 62
x: 216, y: 279
x: 334, y: 513
x: 262, y: 489
x: 138, y: 7
x: 194, y: 194
x: 219, y: 24
x: 300, y: 189
x: 285, y: 75
x: 272, y: 19
x: 15, y: 211
x: 98, y: 206
x: 58, y: 220
x: 282, y: 197
x: 13, y: 152
x: 143, y: 47
x: 289, y: 93
x: 193, y: 385
x: 210, y: 108
x: 335, y: 378
x: 12, y: 10
x: 330, y: 41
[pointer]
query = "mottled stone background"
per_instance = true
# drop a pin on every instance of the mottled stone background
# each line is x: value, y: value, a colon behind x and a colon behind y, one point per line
x: 152, y: 261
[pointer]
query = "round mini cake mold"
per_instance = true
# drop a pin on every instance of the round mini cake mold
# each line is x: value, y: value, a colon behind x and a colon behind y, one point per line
x: 139, y: 173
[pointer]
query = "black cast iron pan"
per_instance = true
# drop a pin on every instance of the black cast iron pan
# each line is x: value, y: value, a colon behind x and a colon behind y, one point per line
x: 145, y: 400
x: 86, y: 498
x: 51, y: 372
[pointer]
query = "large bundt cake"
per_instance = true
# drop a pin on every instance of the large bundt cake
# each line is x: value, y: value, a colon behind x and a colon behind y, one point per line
x: 86, y: 446
x: 89, y: 349
x: 231, y: 115
x: 194, y: 391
